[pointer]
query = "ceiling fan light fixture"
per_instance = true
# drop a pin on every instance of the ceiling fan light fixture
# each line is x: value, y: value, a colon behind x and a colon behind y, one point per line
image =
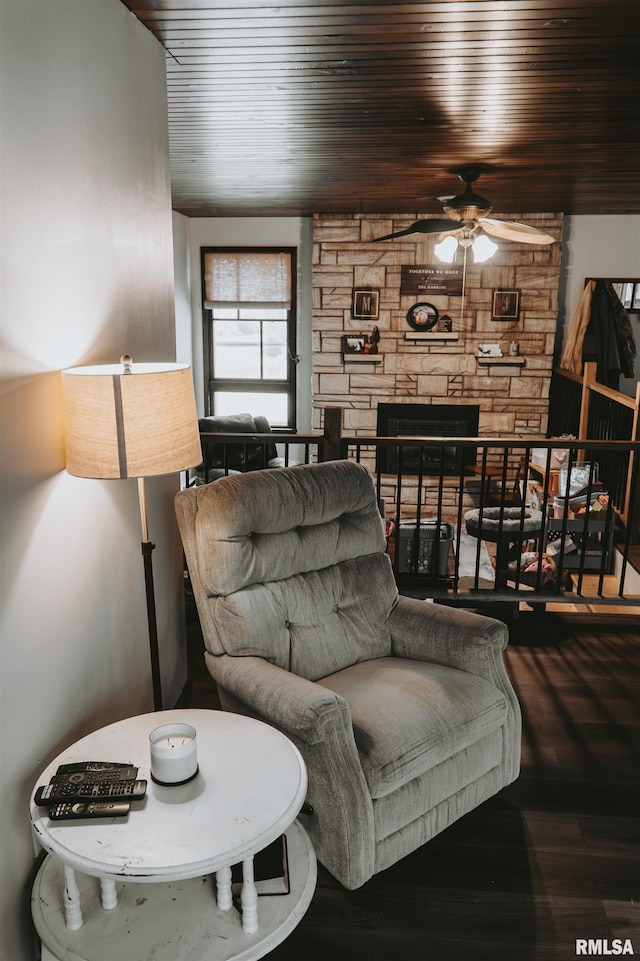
x: 483, y: 249
x: 446, y: 249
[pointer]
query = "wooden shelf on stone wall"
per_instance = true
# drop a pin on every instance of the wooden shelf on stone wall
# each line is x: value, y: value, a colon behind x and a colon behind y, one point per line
x: 427, y: 335
x: 361, y: 359
x: 503, y: 362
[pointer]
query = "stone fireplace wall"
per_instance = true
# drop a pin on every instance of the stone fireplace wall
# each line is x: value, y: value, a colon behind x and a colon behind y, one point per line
x: 512, y: 398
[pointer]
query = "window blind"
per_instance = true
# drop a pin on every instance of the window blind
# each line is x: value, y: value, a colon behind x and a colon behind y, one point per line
x: 239, y: 279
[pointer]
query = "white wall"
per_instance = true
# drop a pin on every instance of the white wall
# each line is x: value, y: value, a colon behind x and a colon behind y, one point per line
x: 243, y: 232
x: 182, y: 273
x: 598, y: 246
x: 86, y: 275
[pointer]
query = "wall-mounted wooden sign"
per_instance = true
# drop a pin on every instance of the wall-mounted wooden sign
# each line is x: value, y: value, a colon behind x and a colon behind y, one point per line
x: 420, y: 280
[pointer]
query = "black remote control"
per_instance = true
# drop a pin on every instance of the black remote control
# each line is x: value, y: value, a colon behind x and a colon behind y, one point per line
x: 104, y: 768
x: 84, y: 809
x: 82, y: 779
x: 60, y: 790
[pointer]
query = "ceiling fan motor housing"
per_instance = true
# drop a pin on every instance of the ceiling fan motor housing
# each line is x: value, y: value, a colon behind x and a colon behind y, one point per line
x: 467, y: 205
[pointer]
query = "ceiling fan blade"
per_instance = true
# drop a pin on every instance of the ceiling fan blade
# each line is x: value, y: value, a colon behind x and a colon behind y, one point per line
x: 435, y: 226
x: 511, y: 230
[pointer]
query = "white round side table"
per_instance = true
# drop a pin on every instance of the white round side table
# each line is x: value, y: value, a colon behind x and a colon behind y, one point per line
x: 139, y: 887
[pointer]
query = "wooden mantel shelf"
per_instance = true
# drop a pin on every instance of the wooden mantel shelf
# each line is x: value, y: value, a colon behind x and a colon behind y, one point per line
x: 501, y: 361
x: 431, y: 335
x: 361, y: 359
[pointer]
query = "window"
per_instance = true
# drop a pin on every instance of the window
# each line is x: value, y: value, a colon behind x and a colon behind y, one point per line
x: 249, y: 332
x: 629, y: 293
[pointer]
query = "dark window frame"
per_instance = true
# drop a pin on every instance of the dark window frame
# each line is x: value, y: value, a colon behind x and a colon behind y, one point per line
x: 223, y: 384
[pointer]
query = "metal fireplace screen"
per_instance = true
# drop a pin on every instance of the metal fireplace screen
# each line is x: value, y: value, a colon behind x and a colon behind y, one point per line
x: 426, y: 420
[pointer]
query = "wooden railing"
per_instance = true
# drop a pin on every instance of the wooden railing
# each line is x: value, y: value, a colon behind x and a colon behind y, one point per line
x: 591, y: 411
x: 497, y: 478
x: 513, y: 503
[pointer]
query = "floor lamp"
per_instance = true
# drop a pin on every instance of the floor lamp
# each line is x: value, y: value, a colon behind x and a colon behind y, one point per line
x: 132, y: 420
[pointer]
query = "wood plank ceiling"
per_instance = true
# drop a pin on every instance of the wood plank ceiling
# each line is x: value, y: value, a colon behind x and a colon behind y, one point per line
x: 365, y: 107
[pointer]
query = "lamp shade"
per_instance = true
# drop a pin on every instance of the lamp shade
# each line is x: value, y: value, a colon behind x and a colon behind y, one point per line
x: 130, y: 421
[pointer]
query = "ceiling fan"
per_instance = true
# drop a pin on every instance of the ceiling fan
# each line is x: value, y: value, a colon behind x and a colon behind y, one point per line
x: 470, y: 211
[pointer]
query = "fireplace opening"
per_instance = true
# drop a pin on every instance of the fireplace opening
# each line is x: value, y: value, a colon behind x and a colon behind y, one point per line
x: 426, y: 420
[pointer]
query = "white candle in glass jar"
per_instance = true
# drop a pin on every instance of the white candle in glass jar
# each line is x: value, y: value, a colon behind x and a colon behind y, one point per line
x: 174, y: 758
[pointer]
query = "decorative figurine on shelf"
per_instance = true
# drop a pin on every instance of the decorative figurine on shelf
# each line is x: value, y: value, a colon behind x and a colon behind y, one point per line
x: 371, y: 347
x: 445, y: 324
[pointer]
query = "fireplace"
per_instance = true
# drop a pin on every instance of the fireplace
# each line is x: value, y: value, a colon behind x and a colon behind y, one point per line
x: 426, y: 420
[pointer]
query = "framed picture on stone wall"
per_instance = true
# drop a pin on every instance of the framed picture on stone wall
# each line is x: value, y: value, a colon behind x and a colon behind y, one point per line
x: 506, y: 305
x: 354, y: 343
x: 365, y: 304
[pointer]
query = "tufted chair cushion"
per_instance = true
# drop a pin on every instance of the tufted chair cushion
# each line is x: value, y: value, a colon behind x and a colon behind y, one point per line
x: 307, y: 586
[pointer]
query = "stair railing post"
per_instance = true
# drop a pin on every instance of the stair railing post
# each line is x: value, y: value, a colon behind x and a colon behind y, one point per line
x: 332, y: 442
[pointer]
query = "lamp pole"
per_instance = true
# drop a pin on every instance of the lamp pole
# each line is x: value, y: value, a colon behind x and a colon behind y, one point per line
x: 147, y: 558
x: 132, y: 421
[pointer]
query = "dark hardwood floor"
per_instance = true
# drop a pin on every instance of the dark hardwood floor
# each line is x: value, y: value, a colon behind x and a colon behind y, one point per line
x: 554, y: 858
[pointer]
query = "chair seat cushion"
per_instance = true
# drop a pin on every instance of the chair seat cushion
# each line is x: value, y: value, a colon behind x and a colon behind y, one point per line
x: 410, y: 715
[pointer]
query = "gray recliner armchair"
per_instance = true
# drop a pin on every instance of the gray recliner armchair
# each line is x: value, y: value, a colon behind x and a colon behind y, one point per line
x: 221, y: 459
x: 402, y: 709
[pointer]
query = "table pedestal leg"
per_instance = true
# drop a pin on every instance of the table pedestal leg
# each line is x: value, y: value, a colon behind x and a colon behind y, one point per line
x: 72, y: 909
x: 224, y: 898
x: 108, y: 894
x: 502, y: 562
x: 249, y: 898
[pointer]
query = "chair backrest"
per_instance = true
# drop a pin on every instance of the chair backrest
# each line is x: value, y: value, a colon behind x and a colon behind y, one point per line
x: 290, y: 565
x: 239, y: 457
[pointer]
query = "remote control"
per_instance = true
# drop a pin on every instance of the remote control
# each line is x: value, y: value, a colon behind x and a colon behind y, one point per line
x: 95, y: 772
x: 60, y: 791
x: 83, y: 781
x: 83, y: 809
x: 100, y: 767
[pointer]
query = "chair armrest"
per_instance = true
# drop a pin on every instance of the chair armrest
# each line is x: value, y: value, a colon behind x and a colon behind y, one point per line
x: 447, y: 635
x: 296, y: 706
x: 318, y: 721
